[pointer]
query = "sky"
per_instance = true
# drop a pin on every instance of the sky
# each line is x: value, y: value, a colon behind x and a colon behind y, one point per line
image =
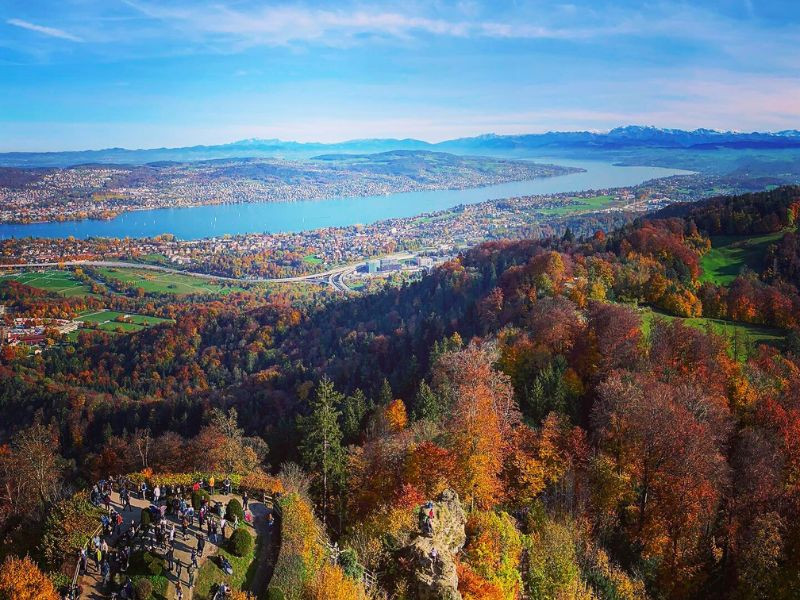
x: 78, y: 74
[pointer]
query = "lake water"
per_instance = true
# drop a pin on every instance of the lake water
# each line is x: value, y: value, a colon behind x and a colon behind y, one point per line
x: 272, y: 217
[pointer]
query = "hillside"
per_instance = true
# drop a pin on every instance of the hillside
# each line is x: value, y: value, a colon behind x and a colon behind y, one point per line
x: 98, y: 191
x: 591, y: 444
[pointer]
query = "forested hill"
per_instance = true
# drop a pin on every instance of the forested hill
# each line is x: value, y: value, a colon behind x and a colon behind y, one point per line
x: 609, y: 393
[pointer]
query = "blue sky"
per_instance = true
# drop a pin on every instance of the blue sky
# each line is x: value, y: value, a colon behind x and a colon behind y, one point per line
x: 144, y: 73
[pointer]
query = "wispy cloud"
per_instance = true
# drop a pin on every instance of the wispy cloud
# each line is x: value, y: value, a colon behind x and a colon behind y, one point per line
x: 44, y: 30
x: 281, y: 25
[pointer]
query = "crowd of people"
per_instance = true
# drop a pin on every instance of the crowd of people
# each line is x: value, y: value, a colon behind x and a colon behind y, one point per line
x: 174, y: 511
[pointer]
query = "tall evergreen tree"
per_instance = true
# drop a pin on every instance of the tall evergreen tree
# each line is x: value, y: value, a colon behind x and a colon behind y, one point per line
x: 354, y: 408
x: 321, y: 447
x: 385, y: 396
x: 428, y: 405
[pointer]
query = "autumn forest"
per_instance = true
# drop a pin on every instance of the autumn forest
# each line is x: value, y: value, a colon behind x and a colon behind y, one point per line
x: 610, y: 420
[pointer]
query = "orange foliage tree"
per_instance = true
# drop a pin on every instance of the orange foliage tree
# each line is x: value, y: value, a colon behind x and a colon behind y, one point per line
x: 483, y: 412
x: 21, y: 579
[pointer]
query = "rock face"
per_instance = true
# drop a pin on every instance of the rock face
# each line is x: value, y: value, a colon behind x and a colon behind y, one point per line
x: 433, y: 556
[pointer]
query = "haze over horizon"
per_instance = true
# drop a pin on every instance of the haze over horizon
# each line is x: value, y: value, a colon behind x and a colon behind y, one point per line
x: 137, y: 74
x: 432, y: 142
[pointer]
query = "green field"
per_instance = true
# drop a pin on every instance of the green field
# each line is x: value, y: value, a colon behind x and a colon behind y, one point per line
x: 155, y: 282
x: 105, y: 321
x: 59, y: 282
x: 749, y: 335
x: 312, y: 260
x: 579, y: 205
x: 729, y: 254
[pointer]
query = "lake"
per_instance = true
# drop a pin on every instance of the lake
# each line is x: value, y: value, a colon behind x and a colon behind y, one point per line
x: 273, y: 217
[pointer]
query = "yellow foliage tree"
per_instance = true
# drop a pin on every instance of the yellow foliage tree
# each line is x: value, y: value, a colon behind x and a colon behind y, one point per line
x: 332, y: 584
x: 396, y: 416
x: 21, y: 579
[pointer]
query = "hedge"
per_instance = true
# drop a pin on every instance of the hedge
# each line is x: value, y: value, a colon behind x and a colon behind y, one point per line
x: 143, y: 589
x: 198, y: 497
x: 255, y: 482
x: 183, y: 479
x: 302, y: 553
x: 146, y: 563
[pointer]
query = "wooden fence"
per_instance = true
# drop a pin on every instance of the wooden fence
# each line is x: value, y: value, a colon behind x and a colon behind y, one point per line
x: 369, y: 578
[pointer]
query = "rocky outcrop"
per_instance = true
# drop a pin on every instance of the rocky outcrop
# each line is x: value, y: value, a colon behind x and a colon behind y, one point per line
x: 432, y: 555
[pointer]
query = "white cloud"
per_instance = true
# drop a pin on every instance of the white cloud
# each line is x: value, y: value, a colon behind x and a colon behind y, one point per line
x: 281, y: 25
x: 49, y: 31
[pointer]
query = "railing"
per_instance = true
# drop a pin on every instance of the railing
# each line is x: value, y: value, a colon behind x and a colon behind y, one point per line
x: 77, y: 574
x: 369, y: 578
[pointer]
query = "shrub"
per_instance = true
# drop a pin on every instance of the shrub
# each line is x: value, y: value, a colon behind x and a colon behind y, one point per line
x: 241, y: 542
x: 234, y: 509
x: 68, y: 526
x: 198, y: 497
x: 21, y: 578
x: 294, y: 479
x: 146, y: 563
x: 274, y: 593
x: 350, y: 565
x: 301, y: 553
x: 258, y: 482
x: 331, y: 583
x: 143, y: 589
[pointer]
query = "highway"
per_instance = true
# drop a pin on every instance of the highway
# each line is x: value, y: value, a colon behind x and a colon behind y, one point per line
x: 332, y: 277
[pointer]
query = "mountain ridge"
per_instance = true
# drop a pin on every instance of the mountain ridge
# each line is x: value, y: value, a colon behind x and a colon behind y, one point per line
x: 628, y: 136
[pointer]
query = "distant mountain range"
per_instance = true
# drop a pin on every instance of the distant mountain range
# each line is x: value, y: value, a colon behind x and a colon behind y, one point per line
x: 629, y: 137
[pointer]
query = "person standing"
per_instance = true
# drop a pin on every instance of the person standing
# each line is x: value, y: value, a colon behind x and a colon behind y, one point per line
x: 201, y: 544
x: 105, y: 571
x: 156, y: 494
x: 211, y: 484
x: 178, y: 591
x: 190, y: 570
x: 245, y: 500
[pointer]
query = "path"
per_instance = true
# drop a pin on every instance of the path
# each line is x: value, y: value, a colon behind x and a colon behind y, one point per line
x: 91, y: 581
